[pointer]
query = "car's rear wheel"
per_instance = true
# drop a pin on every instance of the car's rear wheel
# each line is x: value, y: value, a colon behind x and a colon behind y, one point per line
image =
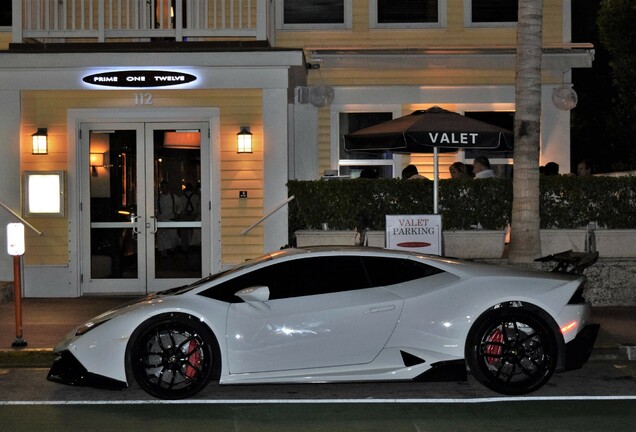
x: 511, y: 351
x: 173, y: 356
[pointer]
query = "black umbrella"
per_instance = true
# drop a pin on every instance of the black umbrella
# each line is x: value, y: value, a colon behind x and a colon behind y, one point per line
x: 430, y: 131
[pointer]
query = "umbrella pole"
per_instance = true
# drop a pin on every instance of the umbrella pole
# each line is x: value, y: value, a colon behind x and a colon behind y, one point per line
x: 435, y: 181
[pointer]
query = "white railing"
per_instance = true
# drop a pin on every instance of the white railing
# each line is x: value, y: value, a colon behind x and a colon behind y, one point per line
x: 138, y: 20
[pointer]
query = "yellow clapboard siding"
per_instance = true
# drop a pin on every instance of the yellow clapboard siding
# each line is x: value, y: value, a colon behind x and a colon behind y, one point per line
x: 418, y: 77
x: 46, y: 255
x: 238, y: 257
x: 5, y: 40
x: 362, y: 77
x: 237, y: 212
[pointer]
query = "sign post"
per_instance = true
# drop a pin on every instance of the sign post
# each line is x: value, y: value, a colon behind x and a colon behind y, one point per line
x: 15, y: 247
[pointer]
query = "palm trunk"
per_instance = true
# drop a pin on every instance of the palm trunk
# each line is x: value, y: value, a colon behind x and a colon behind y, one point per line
x: 525, y: 242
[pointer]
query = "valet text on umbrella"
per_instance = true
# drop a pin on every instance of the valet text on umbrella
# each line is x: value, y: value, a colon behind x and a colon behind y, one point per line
x: 453, y: 138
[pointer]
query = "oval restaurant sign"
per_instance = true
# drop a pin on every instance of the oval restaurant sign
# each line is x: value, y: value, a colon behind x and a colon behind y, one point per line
x: 139, y: 78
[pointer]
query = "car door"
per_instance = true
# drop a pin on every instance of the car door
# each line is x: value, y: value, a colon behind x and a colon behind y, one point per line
x: 321, y: 312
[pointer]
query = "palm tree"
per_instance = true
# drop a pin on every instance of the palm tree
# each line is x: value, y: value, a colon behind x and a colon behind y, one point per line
x: 525, y: 242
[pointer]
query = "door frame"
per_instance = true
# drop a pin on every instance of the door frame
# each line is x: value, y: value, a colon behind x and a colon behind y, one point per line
x: 75, y: 117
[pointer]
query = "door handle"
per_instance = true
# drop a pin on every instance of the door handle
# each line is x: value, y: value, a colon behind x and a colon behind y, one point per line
x: 386, y: 308
x: 134, y: 219
x: 154, y: 225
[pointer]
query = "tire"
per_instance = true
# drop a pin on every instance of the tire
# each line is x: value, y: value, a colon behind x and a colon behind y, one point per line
x: 173, y: 356
x: 511, y: 351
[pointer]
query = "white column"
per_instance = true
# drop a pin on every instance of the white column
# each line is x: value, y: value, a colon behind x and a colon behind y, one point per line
x: 555, y: 132
x: 275, y: 167
x: 9, y: 172
x: 304, y: 166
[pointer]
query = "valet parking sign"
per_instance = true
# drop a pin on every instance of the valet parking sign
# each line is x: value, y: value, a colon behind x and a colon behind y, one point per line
x: 418, y: 233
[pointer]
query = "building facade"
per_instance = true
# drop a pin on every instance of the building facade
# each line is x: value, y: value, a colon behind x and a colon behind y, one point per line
x: 143, y: 103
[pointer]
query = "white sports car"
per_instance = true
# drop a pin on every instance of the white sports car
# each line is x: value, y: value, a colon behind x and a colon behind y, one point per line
x: 338, y: 314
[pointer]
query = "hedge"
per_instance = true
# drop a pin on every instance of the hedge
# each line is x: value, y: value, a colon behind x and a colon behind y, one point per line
x: 565, y: 202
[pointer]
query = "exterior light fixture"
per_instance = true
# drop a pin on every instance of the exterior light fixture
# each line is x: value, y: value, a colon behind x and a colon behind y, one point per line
x: 96, y: 160
x: 40, y: 142
x: 244, y: 140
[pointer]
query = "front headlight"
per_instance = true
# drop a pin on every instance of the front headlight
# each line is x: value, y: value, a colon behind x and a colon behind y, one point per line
x: 88, y: 326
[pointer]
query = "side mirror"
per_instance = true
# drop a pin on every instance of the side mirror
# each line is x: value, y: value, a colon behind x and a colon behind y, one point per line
x: 254, y: 294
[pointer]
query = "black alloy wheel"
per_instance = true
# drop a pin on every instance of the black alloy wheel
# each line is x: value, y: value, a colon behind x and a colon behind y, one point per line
x: 511, y: 351
x: 173, y: 356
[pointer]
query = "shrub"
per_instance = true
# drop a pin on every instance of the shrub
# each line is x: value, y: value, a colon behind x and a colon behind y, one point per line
x: 565, y: 202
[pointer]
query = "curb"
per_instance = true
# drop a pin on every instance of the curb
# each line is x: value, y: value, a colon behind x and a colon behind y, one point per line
x: 27, y: 358
x: 605, y: 353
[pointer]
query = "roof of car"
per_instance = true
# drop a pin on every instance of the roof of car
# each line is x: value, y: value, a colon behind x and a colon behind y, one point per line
x: 337, y: 249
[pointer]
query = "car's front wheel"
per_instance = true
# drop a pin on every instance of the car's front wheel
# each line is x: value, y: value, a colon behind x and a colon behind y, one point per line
x: 173, y: 356
x: 511, y: 350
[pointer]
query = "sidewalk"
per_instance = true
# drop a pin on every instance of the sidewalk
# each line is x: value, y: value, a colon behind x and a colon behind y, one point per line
x: 46, y: 321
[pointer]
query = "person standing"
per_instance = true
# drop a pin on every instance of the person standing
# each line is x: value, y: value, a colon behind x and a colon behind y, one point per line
x: 410, y: 172
x: 458, y: 170
x: 168, y: 209
x: 583, y: 169
x: 481, y: 167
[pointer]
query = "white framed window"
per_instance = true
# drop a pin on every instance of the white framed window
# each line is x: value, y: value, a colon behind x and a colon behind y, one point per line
x: 348, y: 119
x: 313, y: 14
x: 490, y: 13
x: 5, y: 15
x: 407, y: 13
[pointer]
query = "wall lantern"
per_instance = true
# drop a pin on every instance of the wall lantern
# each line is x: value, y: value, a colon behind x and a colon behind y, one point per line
x: 244, y: 140
x: 96, y: 160
x: 40, y: 142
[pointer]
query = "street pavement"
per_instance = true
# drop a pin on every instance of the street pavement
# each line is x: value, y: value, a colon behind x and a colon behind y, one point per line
x: 45, y: 321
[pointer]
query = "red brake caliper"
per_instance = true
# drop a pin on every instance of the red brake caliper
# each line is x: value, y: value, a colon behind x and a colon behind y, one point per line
x: 494, y: 346
x: 194, y: 360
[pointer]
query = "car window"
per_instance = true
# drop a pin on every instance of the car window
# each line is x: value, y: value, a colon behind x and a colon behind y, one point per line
x: 298, y: 277
x: 384, y: 271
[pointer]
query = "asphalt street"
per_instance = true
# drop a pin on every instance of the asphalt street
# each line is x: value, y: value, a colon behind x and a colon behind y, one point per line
x: 599, y: 397
x: 568, y: 415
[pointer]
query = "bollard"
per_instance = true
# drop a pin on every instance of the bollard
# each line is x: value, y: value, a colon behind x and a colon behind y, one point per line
x: 17, y: 296
x: 15, y: 248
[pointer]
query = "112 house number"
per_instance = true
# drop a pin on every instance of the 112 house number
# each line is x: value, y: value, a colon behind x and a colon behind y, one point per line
x: 143, y: 98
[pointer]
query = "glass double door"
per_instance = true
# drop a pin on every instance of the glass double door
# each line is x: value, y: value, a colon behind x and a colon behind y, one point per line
x: 145, y: 218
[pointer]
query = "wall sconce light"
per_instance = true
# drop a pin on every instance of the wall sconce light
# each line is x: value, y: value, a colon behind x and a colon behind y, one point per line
x: 96, y: 160
x: 40, y: 142
x: 244, y: 140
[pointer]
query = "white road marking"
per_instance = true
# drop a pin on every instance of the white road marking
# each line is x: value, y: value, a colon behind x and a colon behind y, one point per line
x: 322, y: 401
